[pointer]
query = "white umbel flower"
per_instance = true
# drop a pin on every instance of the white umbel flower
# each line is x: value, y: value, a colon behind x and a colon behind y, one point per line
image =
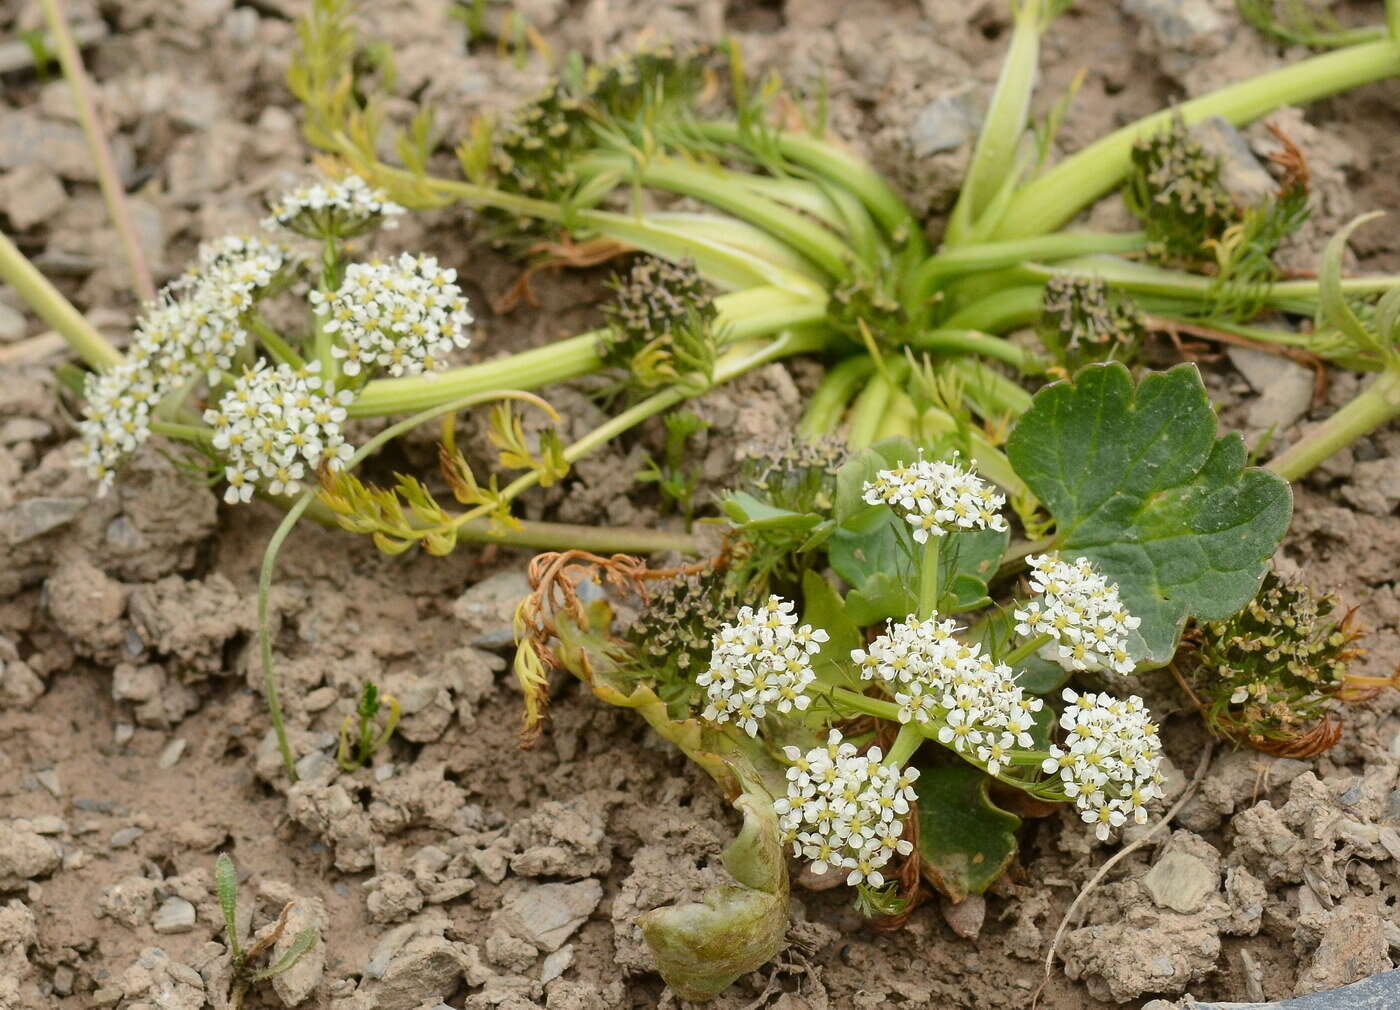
x: 193, y: 329
x: 981, y: 710
x: 761, y: 662
x: 1109, y: 760
x: 842, y: 809
x: 1081, y: 610
x: 403, y: 316
x: 334, y: 209
x: 276, y: 426
x: 938, y: 497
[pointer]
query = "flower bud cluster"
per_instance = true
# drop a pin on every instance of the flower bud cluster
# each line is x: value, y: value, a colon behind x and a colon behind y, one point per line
x: 1081, y: 610
x: 334, y: 210
x: 275, y: 425
x: 842, y: 809
x: 935, y: 678
x: 403, y: 316
x: 763, y: 659
x: 1109, y: 761
x: 195, y: 327
x: 938, y: 497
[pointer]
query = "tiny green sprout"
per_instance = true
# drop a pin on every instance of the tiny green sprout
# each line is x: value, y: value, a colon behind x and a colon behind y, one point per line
x: 1270, y: 675
x: 673, y: 477
x: 661, y: 326
x: 361, y: 734
x: 1083, y: 321
x: 243, y: 961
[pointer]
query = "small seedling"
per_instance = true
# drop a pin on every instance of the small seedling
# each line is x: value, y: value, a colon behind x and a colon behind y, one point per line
x: 361, y: 734
x: 673, y: 476
x: 243, y: 961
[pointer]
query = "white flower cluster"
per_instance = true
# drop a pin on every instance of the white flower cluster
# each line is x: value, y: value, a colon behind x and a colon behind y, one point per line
x: 1109, y: 761
x: 938, y: 497
x: 342, y: 209
x: 403, y: 316
x: 195, y: 327
x: 275, y: 424
x: 934, y: 677
x: 842, y: 809
x: 1080, y: 608
x: 763, y: 659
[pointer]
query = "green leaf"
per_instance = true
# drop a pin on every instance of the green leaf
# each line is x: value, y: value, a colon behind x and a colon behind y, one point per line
x: 300, y: 945
x: 1139, y: 484
x: 748, y: 512
x: 1332, y: 307
x: 862, y: 467
x: 226, y: 887
x: 823, y: 608
x: 965, y: 840
x: 702, y: 947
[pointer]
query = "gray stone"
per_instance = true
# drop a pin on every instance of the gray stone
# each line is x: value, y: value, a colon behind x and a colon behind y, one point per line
x: 23, y: 429
x: 48, y: 778
x: 34, y: 517
x: 945, y: 124
x: 966, y: 917
x: 172, y: 753
x: 175, y: 915
x: 556, y: 964
x: 125, y: 837
x: 548, y: 914
x: 1242, y: 175
x: 30, y: 195
x: 1379, y: 992
x: 1180, y: 24
x: 1181, y: 882
x: 1353, y: 946
x: 1285, y: 388
x: 299, y: 981
x: 487, y: 609
x: 426, y: 969
x: 26, y: 139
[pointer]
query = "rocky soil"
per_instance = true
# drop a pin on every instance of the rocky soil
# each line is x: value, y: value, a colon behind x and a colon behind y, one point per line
x: 134, y: 743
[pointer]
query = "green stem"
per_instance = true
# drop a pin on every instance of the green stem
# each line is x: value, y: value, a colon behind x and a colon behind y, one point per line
x: 1372, y: 407
x: 962, y: 260
x: 1008, y: 309
x: 284, y: 352
x: 906, y: 742
x: 826, y: 405
x: 270, y: 683
x: 928, y: 578
x: 959, y: 341
x: 1061, y: 193
x: 864, y: 704
x: 50, y: 306
x: 743, y: 315
x: 184, y: 432
x: 1027, y: 648
x: 995, y: 154
x: 113, y: 193
x: 714, y: 187
x: 834, y: 164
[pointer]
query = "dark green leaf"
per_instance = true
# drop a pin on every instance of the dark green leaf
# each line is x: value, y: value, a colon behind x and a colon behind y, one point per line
x: 1138, y: 483
x: 965, y: 840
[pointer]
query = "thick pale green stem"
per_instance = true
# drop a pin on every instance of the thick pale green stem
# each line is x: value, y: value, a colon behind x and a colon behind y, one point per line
x: 112, y: 190
x: 1065, y: 190
x: 50, y: 306
x: 928, y: 578
x: 853, y: 701
x: 743, y: 315
x: 962, y: 260
x: 1027, y: 648
x: 1373, y: 407
x: 906, y: 742
x: 975, y: 342
x: 997, y: 313
x: 995, y: 154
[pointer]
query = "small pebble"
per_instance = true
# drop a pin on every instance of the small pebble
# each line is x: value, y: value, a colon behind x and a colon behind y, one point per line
x: 320, y: 699
x: 176, y: 915
x: 125, y: 837
x: 122, y: 733
x: 105, y: 997
x: 174, y: 750
x: 48, y: 778
x: 63, y: 979
x: 47, y: 825
x: 383, y: 773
